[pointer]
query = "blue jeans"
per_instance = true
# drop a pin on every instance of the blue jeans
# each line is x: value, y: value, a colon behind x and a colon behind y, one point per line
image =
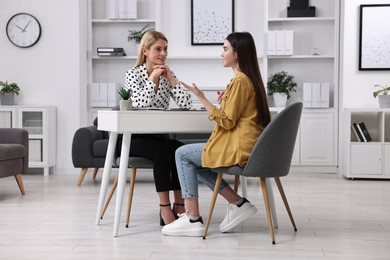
x: 190, y: 170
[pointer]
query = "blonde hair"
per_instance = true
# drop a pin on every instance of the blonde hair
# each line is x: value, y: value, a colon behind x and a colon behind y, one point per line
x: 147, y: 41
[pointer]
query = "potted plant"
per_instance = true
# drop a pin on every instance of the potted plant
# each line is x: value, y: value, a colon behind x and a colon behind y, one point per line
x: 382, y: 94
x: 8, y: 92
x: 280, y: 85
x: 125, y: 103
x: 136, y: 35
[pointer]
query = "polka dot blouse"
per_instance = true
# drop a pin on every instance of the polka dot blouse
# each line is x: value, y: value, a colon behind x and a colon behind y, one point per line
x: 144, y: 95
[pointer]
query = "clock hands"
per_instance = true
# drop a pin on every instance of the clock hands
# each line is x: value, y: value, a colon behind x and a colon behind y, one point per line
x: 19, y: 27
x: 24, y: 29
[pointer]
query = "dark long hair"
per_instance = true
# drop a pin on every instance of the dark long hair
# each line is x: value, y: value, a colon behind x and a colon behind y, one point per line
x: 244, y: 46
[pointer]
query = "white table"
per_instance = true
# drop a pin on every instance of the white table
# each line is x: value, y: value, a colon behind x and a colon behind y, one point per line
x: 145, y: 121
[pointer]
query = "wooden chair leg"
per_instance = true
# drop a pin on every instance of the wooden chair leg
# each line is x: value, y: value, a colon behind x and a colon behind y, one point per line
x: 132, y: 182
x: 284, y: 198
x: 212, y: 204
x: 236, y: 182
x: 82, y: 175
x: 110, y: 195
x: 18, y: 178
x: 95, y: 171
x: 267, y: 209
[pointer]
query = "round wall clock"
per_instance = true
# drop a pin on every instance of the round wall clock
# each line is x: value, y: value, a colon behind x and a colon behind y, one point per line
x: 23, y: 30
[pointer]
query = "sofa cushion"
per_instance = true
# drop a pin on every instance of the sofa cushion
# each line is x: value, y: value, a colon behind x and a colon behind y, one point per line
x: 99, y: 148
x: 11, y: 151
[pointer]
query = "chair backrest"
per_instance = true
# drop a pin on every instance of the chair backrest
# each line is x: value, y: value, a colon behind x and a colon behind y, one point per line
x: 271, y: 156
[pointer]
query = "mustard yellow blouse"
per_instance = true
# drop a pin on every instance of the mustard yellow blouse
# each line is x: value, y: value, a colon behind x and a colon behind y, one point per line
x: 236, y: 129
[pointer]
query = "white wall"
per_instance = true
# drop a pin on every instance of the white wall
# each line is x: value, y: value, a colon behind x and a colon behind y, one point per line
x: 51, y: 72
x: 356, y: 86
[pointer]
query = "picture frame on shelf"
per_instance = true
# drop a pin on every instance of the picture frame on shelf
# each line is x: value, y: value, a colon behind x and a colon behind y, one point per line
x: 374, y: 48
x: 211, y: 21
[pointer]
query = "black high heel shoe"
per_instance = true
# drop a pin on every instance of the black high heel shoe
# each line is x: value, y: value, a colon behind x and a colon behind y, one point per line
x: 174, y: 211
x: 162, y: 223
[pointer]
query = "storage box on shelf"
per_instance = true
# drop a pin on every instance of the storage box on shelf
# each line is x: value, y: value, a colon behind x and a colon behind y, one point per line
x: 40, y: 122
x: 367, y: 159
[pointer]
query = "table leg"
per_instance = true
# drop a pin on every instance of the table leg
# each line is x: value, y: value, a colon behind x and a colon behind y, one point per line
x: 125, y: 151
x: 106, y: 174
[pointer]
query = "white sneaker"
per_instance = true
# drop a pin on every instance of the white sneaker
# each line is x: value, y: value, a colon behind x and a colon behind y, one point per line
x: 235, y: 215
x: 184, y: 226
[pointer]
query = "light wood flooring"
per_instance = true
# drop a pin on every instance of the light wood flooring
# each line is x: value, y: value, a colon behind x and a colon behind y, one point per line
x: 336, y: 219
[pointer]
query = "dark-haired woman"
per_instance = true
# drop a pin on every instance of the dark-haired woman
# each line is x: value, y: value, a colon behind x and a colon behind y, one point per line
x: 239, y: 121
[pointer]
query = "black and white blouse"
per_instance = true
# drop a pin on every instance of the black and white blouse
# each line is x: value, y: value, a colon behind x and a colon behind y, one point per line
x: 143, y: 90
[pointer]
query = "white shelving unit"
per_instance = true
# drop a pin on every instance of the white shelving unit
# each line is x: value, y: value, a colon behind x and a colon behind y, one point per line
x: 367, y: 159
x: 103, y: 32
x: 317, y: 138
x: 40, y: 122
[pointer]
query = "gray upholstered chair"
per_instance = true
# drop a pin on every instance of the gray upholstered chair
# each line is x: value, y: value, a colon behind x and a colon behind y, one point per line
x: 14, y: 154
x: 270, y: 158
x: 89, y: 150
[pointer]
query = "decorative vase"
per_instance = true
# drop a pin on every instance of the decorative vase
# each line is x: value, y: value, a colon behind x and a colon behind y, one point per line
x: 280, y: 99
x: 125, y: 105
x: 384, y: 101
x: 7, y: 98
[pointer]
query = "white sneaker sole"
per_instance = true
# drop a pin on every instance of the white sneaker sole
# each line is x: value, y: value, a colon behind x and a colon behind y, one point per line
x: 238, y: 220
x: 183, y: 233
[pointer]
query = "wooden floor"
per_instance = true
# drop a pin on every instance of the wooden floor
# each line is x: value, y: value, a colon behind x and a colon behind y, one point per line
x: 336, y: 219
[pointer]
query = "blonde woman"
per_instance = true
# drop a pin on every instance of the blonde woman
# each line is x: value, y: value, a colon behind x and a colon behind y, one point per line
x: 153, y: 84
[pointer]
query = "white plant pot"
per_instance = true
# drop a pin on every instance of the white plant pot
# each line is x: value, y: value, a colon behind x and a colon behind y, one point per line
x: 125, y: 105
x: 280, y: 99
x: 384, y: 101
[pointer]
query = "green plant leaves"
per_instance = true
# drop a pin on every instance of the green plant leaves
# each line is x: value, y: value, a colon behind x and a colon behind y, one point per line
x: 382, y: 91
x: 125, y: 93
x: 9, y: 87
x: 281, y: 82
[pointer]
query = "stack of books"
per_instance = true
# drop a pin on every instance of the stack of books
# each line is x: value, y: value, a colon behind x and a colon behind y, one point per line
x: 361, y: 132
x: 110, y: 51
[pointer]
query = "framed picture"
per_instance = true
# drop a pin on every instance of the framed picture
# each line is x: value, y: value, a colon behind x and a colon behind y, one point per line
x: 211, y: 21
x: 374, y: 37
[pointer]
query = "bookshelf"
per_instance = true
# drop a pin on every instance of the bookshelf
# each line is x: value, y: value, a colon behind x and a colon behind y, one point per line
x: 317, y: 137
x: 367, y: 159
x: 105, y: 32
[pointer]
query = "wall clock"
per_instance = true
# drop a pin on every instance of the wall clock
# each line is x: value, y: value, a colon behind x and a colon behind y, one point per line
x: 23, y: 30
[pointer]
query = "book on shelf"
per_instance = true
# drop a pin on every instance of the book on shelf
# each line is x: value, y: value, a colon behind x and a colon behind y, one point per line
x: 361, y: 132
x: 111, y: 54
x: 356, y: 132
x: 110, y: 49
x: 364, y: 131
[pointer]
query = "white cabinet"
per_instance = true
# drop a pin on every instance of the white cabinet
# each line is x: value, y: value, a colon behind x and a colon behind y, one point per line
x: 317, y: 139
x: 366, y: 159
x: 316, y: 143
x: 40, y: 122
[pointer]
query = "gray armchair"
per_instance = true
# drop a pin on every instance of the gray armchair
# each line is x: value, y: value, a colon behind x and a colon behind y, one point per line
x: 14, y: 154
x: 89, y: 150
